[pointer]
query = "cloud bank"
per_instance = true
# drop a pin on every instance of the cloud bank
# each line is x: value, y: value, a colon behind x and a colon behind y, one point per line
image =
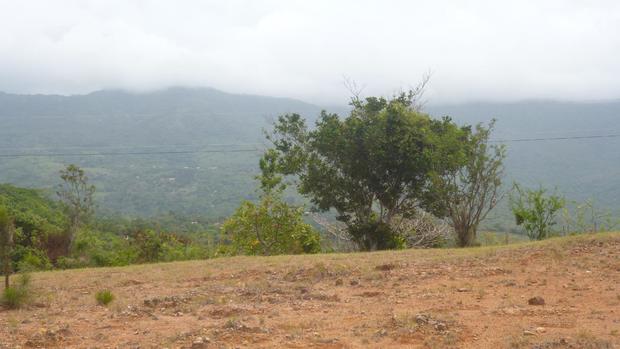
x: 476, y: 50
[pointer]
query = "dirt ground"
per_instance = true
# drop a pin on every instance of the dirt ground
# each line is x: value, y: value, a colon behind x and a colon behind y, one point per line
x: 468, y: 298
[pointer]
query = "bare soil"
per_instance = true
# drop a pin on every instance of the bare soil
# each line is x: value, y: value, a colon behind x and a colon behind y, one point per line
x: 447, y: 298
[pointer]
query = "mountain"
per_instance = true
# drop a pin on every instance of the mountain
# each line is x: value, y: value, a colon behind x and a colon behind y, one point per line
x: 195, y: 150
x: 224, y: 129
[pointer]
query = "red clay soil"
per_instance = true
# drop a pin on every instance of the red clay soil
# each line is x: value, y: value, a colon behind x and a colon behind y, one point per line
x: 469, y: 298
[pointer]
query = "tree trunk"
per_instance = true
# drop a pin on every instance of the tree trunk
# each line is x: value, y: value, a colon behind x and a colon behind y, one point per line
x: 465, y: 235
x: 7, y: 267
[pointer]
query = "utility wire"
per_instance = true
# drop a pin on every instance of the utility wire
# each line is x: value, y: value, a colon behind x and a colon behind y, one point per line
x: 553, y: 138
x: 129, y: 153
x: 172, y: 152
x: 149, y: 146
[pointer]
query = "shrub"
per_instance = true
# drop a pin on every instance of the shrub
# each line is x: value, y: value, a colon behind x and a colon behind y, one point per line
x: 16, y: 296
x: 104, y: 297
x: 536, y: 211
x: 270, y: 227
x: 31, y: 259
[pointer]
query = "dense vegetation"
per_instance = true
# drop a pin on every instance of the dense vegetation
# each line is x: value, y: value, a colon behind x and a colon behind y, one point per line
x: 208, y: 187
x: 42, y: 226
x: 383, y: 173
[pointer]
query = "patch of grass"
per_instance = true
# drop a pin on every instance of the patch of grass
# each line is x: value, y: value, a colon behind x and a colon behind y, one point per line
x: 104, y: 297
x: 586, y: 340
x: 18, y: 295
x: 519, y: 342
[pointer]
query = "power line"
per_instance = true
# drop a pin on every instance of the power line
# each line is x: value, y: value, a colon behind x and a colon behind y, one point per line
x: 174, y: 152
x: 149, y: 146
x: 129, y: 153
x: 553, y: 138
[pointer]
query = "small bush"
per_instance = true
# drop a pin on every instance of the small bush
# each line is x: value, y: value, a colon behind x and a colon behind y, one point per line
x: 104, y: 297
x: 18, y: 295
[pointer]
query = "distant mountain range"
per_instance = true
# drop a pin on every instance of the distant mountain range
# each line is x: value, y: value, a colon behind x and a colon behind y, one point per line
x: 207, y: 145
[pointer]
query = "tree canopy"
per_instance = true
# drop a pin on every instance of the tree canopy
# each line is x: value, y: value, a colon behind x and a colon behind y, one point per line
x: 372, y: 167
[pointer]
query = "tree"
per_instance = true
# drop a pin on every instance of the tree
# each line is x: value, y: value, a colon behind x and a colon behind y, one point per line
x: 372, y: 167
x: 77, y: 196
x: 468, y: 184
x: 6, y: 243
x: 535, y: 211
x: 270, y: 227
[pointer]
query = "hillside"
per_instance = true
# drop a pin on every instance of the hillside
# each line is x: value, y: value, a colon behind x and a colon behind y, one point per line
x: 211, y: 142
x: 465, y: 298
x: 175, y: 120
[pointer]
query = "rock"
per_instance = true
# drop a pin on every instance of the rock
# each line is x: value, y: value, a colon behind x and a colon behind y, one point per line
x: 462, y: 289
x: 421, y: 319
x: 536, y: 301
x: 540, y: 330
x: 385, y: 267
x: 339, y: 282
x: 440, y: 326
x: 199, y: 343
x: 354, y: 282
x: 528, y: 333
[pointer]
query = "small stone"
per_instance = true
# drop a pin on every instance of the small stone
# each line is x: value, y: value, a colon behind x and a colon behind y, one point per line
x: 540, y: 330
x: 339, y: 282
x: 440, y: 326
x: 421, y: 319
x: 354, y: 282
x: 528, y: 333
x: 462, y: 289
x: 536, y: 301
x: 199, y: 343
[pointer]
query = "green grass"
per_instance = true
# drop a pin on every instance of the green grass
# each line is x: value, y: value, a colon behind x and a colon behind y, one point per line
x: 18, y: 295
x: 104, y: 297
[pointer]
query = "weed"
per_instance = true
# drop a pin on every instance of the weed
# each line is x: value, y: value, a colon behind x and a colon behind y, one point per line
x: 587, y: 340
x: 519, y: 342
x: 104, y: 297
x: 18, y: 295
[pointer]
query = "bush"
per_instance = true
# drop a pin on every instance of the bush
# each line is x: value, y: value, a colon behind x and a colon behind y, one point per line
x: 104, y: 297
x: 270, y: 227
x: 376, y: 235
x: 423, y: 231
x: 17, y: 296
x: 31, y: 259
x: 536, y: 211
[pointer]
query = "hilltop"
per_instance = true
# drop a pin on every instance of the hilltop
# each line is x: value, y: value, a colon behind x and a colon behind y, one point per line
x: 447, y: 298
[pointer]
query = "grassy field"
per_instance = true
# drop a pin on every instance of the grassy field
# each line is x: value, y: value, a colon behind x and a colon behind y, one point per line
x: 438, y: 298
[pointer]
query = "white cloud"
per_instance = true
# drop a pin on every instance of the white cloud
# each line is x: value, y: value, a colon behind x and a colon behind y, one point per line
x: 477, y: 50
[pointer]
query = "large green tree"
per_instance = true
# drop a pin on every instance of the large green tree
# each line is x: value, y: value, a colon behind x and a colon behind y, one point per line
x: 372, y: 167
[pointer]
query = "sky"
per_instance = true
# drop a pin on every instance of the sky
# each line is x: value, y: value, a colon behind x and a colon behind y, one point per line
x: 474, y: 50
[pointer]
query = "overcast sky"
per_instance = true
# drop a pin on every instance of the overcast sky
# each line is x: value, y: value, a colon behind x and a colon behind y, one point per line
x: 476, y: 50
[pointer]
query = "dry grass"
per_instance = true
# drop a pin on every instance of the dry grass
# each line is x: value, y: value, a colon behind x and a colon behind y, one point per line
x: 473, y: 298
